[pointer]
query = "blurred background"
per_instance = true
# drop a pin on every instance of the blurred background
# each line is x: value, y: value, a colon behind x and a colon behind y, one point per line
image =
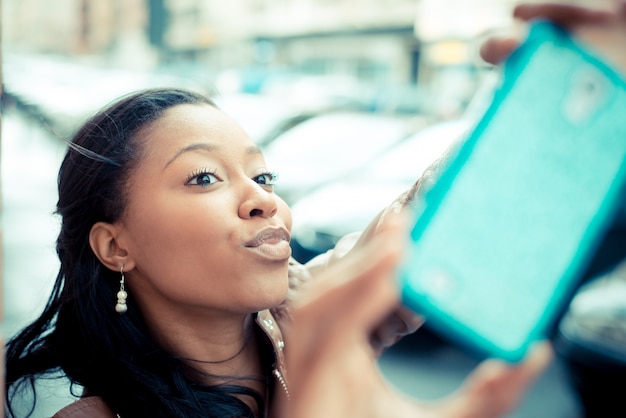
x: 349, y: 100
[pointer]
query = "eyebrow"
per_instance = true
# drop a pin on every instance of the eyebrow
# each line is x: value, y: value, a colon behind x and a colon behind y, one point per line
x: 206, y: 147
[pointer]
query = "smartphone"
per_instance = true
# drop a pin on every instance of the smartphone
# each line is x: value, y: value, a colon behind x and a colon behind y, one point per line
x: 501, y: 240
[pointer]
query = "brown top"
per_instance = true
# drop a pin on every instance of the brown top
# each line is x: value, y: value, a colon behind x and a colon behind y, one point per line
x: 91, y: 407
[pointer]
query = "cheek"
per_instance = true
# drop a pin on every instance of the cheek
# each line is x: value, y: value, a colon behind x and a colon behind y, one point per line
x: 167, y: 230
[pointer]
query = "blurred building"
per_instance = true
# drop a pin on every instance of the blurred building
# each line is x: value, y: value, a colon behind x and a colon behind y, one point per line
x: 379, y: 42
x: 113, y: 29
x: 373, y: 39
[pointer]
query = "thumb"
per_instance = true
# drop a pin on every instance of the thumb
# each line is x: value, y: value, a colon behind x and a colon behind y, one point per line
x: 495, y: 388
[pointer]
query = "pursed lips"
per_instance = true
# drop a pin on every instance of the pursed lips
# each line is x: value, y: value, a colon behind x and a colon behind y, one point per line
x: 270, y: 235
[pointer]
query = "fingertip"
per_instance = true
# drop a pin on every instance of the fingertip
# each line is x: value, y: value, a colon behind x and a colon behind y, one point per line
x: 541, y: 354
x: 396, y: 219
x: 538, y: 357
x: 528, y: 11
x: 495, y: 50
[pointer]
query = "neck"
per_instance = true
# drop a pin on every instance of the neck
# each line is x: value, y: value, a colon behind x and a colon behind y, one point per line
x: 216, y: 347
x: 219, y: 348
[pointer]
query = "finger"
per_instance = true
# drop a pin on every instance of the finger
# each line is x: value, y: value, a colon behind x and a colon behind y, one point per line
x: 358, y: 288
x: 496, y: 387
x: 343, y: 308
x: 351, y: 281
x: 399, y: 324
x: 389, y: 241
x: 496, y: 49
x: 494, y: 372
x: 566, y: 15
x: 343, y: 315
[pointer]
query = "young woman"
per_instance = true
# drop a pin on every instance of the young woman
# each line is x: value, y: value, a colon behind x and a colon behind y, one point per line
x: 176, y: 279
x: 173, y: 247
x: 176, y: 285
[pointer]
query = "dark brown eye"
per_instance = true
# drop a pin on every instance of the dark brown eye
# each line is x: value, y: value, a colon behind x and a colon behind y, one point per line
x: 202, y: 179
x: 266, y: 179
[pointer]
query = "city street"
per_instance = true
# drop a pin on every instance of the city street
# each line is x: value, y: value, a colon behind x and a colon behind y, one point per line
x: 421, y: 365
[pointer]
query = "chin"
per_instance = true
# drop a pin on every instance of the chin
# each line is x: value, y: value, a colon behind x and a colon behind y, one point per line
x: 279, y: 299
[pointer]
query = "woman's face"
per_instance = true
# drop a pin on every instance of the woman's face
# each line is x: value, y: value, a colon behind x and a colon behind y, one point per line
x: 203, y: 227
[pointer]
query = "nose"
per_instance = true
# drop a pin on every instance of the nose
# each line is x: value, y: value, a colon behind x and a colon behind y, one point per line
x: 257, y: 201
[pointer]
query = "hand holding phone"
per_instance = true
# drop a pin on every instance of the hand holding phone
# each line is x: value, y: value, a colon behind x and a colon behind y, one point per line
x: 502, y: 238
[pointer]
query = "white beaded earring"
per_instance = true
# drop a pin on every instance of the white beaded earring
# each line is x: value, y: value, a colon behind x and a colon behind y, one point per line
x: 121, y: 307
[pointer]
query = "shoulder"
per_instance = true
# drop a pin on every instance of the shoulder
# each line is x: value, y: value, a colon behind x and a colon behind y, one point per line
x: 90, y: 407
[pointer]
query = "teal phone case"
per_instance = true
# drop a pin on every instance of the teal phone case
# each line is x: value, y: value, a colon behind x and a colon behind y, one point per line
x: 501, y: 240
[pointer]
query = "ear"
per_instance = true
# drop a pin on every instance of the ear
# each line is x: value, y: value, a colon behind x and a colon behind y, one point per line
x: 107, y: 246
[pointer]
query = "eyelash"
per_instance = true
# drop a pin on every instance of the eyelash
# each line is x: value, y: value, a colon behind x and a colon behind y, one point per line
x: 199, y: 173
x: 273, y: 177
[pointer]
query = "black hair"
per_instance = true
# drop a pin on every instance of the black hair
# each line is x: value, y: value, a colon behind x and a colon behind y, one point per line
x: 79, y: 333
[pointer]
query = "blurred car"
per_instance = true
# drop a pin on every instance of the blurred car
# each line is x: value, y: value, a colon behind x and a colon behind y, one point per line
x: 64, y: 92
x: 263, y: 117
x: 327, y: 147
x: 403, y: 99
x: 324, y: 216
x: 330, y: 91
